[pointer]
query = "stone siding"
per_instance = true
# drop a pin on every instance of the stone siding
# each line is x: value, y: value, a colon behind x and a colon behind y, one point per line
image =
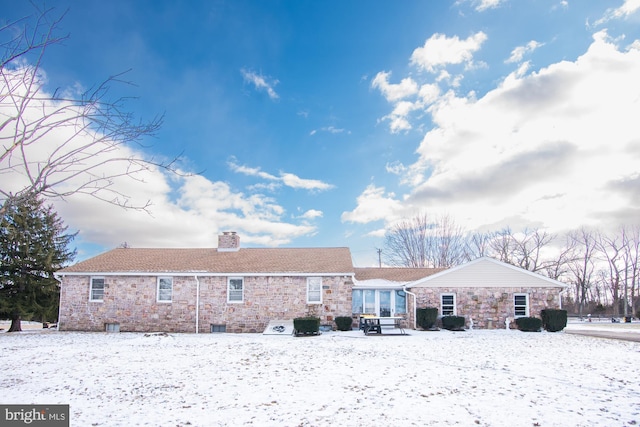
x: 487, y: 307
x: 131, y: 302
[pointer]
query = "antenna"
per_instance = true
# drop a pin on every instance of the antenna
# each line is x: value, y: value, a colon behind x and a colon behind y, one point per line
x: 379, y: 257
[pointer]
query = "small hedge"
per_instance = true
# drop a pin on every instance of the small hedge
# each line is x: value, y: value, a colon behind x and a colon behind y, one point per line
x: 306, y: 325
x: 453, y: 323
x: 343, y: 323
x: 553, y: 320
x: 529, y: 324
x: 426, y: 317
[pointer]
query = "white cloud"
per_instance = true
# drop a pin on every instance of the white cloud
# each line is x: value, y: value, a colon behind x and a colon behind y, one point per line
x: 295, y: 181
x: 628, y: 8
x: 482, y: 5
x: 330, y: 129
x: 398, y: 118
x: 439, y: 51
x: 396, y: 168
x: 374, y: 205
x: 285, y: 178
x: 312, y: 214
x: 488, y: 4
x: 555, y: 146
x: 519, y: 52
x: 260, y: 82
x: 394, y: 92
x: 186, y: 210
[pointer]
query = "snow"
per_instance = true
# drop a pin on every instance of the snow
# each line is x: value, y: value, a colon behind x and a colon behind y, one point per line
x: 479, y: 377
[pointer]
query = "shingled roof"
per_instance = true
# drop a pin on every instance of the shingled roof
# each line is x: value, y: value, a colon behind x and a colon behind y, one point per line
x: 395, y: 274
x: 212, y: 261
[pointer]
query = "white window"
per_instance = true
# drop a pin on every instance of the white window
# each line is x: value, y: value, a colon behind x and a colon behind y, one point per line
x: 521, y: 305
x: 314, y: 290
x: 165, y: 289
x: 448, y: 304
x: 235, y: 289
x: 96, y: 291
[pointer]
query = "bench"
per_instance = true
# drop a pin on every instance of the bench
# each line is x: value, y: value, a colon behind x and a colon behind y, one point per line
x: 375, y: 324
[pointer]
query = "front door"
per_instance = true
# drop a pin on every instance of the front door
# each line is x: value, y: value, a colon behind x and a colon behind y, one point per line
x: 384, y: 304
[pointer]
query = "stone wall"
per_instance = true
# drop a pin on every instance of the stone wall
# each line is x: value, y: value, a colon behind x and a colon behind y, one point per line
x: 487, y: 307
x: 130, y: 301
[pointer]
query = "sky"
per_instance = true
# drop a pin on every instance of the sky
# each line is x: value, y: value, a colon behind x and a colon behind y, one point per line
x: 311, y: 124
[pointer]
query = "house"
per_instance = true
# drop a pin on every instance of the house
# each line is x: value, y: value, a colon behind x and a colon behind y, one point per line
x: 488, y: 293
x: 233, y: 289
x: 227, y: 289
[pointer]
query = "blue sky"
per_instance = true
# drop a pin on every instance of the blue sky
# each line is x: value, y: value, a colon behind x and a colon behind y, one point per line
x: 323, y: 123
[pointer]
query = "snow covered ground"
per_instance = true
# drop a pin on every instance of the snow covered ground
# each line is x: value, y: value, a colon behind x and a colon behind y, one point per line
x: 485, y: 378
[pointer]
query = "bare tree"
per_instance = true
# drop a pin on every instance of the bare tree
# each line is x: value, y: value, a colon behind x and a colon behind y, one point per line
x: 501, y: 246
x: 631, y: 261
x: 583, y: 264
x: 425, y: 242
x: 62, y: 143
x: 522, y: 249
x: 560, y: 265
x: 611, y: 250
x: 479, y: 245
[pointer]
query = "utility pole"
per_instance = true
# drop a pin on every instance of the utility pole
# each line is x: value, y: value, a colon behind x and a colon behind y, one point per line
x: 379, y: 257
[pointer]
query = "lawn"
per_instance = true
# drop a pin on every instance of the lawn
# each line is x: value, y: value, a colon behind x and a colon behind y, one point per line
x: 485, y: 378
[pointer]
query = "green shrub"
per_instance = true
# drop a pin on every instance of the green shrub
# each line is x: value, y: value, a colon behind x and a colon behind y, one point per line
x: 553, y: 320
x: 453, y: 323
x: 529, y: 324
x: 426, y: 317
x: 344, y: 323
x: 306, y: 325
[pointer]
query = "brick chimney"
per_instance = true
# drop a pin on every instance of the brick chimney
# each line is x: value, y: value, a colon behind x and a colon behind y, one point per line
x: 228, y: 241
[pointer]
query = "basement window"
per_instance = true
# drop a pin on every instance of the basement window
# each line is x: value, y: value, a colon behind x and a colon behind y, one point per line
x: 112, y: 327
x: 218, y: 328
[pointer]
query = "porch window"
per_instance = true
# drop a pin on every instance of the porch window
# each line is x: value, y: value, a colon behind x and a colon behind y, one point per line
x: 165, y: 289
x: 356, y: 301
x: 378, y: 301
x: 96, y: 293
x: 448, y: 304
x: 314, y: 290
x: 235, y: 289
x: 401, y: 302
x: 521, y: 305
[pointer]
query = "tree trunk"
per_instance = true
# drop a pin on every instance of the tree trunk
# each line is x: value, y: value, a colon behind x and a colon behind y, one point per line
x: 16, y: 325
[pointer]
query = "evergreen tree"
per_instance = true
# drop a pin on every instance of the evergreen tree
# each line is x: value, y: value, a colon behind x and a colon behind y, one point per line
x: 33, y: 246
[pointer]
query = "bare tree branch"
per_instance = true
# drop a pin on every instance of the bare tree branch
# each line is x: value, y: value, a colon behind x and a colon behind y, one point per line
x: 60, y: 144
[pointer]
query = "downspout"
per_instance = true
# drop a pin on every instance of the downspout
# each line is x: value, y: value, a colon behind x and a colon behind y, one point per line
x: 415, y: 305
x: 560, y: 296
x: 197, y: 303
x: 60, y: 279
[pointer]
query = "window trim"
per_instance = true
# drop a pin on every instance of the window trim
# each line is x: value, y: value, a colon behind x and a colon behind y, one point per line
x: 91, y: 289
x: 454, y: 311
x: 164, y: 301
x: 318, y: 281
x: 526, y: 305
x: 235, y: 301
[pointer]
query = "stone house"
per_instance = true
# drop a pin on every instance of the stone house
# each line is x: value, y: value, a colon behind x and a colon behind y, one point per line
x: 227, y: 289
x: 233, y: 289
x: 488, y: 293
